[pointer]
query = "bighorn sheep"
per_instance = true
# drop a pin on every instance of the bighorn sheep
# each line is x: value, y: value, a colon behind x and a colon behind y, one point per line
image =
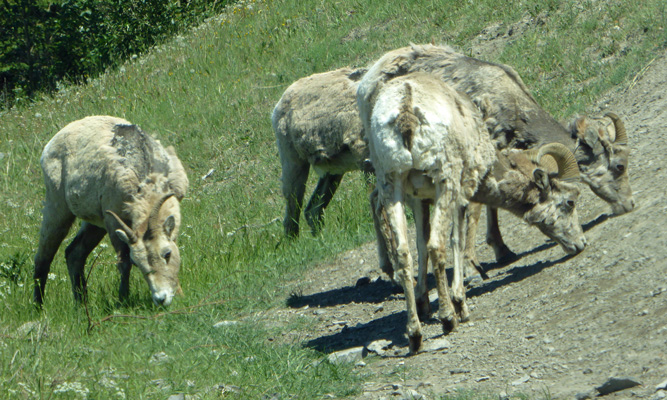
x: 116, y: 179
x: 428, y: 144
x: 515, y: 120
x: 316, y: 123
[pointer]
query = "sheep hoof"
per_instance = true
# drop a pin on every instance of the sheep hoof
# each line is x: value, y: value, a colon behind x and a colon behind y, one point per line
x: 449, y: 324
x: 415, y: 343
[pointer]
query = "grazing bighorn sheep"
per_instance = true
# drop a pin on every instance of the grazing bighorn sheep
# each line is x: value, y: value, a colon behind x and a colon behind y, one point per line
x: 116, y: 179
x: 317, y: 124
x: 428, y: 144
x: 515, y: 120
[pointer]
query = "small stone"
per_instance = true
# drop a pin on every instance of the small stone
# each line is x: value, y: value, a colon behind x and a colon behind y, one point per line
x: 347, y: 356
x: 179, y: 396
x: 159, y: 358
x: 379, y: 346
x: 223, y: 389
x: 587, y: 371
x: 410, y: 394
x: 28, y: 328
x: 520, y: 381
x: 662, y: 386
x: 458, y: 371
x: 659, y: 395
x: 482, y: 378
x: 225, y: 323
x: 584, y: 395
x: 436, y: 344
x: 616, y: 384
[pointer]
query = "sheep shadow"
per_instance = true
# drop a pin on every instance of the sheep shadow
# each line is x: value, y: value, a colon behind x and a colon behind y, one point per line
x: 392, y: 327
x: 488, y: 266
x: 362, y: 292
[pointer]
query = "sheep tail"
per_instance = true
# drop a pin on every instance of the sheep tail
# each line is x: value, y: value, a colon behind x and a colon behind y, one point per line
x: 407, y: 121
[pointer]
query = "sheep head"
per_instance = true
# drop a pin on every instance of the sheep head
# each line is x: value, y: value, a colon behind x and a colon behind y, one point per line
x: 535, y: 186
x: 153, y: 248
x: 603, y: 159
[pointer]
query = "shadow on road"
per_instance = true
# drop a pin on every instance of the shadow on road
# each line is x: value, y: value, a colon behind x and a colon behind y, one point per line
x: 392, y: 327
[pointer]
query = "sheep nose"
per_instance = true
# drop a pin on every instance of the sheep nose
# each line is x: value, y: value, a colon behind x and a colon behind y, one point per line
x: 162, y: 298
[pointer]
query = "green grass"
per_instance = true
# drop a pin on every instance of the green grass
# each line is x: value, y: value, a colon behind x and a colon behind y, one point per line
x: 210, y: 94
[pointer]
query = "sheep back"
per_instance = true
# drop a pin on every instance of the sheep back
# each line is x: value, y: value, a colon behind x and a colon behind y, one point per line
x: 317, y: 120
x: 104, y: 163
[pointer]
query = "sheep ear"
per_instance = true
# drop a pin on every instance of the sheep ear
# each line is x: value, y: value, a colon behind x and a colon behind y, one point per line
x: 123, y: 236
x: 169, y: 225
x: 541, y: 179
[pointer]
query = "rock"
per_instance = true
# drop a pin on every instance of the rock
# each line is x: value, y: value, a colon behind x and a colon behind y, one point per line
x: 585, y: 395
x: 662, y: 386
x: 30, y: 327
x: 616, y: 384
x: 521, y: 380
x: 225, y: 323
x: 224, y: 389
x: 352, y: 355
x: 179, y: 396
x: 458, y: 371
x: 659, y: 395
x: 159, y: 358
x: 379, y: 346
x: 436, y: 344
x: 409, y: 394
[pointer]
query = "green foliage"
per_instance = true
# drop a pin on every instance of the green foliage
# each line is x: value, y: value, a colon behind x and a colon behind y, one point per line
x: 43, y: 43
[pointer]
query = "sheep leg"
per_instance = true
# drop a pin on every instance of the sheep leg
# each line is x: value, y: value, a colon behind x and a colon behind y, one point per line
x: 56, y: 222
x: 495, y: 239
x: 437, y: 252
x: 124, y: 265
x: 385, y: 240
x: 88, y: 237
x: 473, y: 271
x: 397, y: 220
x: 421, y: 215
x: 295, y: 175
x: 322, y: 195
x: 458, y: 244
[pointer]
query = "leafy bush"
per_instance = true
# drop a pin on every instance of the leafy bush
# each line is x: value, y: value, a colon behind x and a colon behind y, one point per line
x: 43, y: 43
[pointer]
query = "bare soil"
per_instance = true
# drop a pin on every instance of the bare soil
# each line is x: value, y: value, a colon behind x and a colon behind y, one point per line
x: 545, y: 325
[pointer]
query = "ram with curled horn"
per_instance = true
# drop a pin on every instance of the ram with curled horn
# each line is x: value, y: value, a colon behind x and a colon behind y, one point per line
x: 116, y: 179
x: 448, y: 162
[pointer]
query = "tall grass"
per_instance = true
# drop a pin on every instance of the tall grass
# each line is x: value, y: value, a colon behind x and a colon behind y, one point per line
x: 210, y: 94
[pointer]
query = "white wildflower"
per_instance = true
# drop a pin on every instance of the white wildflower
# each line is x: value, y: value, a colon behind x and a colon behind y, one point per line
x: 75, y: 387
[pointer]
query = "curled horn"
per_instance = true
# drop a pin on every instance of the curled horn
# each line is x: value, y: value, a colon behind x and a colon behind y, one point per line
x: 621, y: 135
x: 130, y: 234
x: 152, y: 218
x: 567, y: 164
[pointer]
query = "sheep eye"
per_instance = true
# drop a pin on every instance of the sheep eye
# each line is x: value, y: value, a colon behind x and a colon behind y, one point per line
x: 620, y: 168
x: 570, y: 204
x: 167, y: 255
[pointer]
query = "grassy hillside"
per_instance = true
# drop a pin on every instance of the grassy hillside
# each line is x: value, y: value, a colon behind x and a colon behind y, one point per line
x: 210, y: 94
